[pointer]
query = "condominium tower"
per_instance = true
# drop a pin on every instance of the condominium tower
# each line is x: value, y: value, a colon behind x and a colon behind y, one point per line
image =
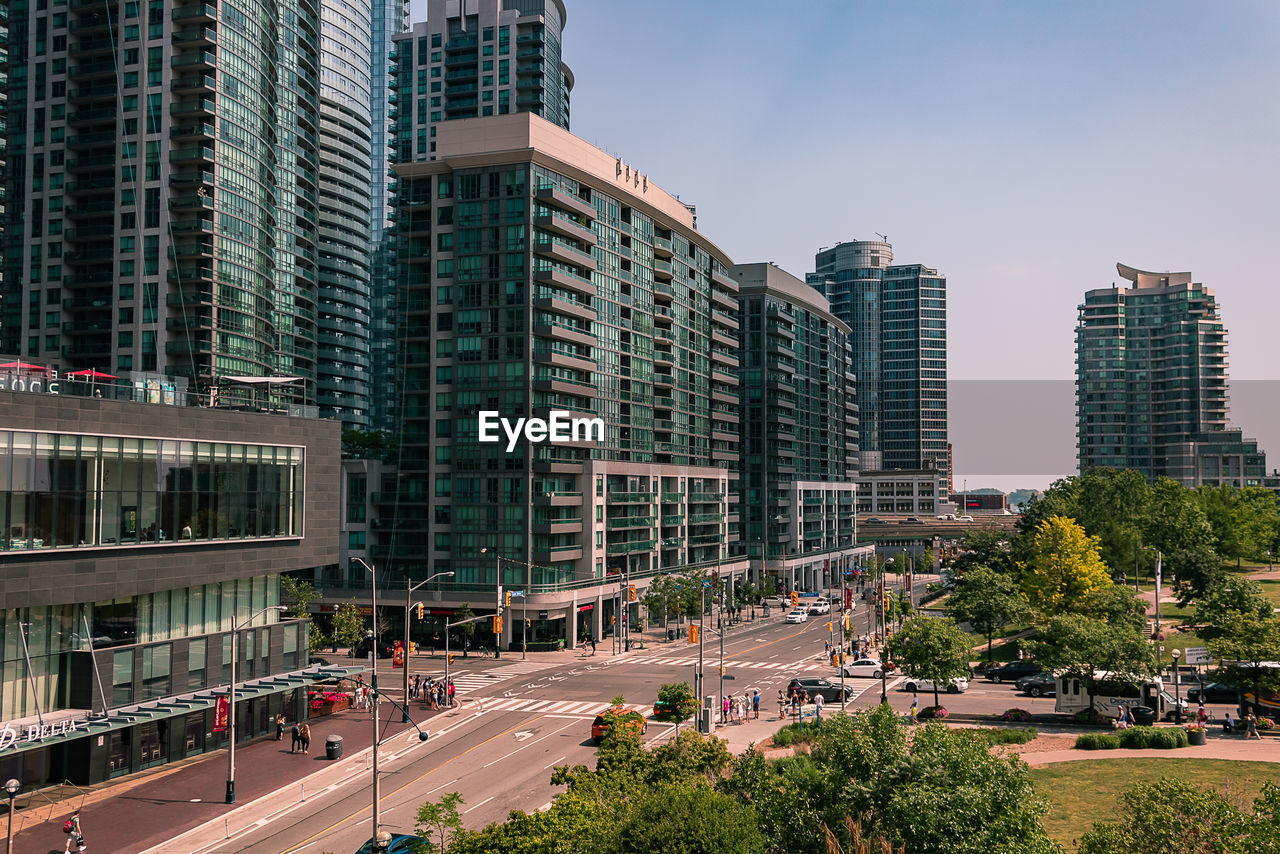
x: 1151, y: 383
x: 162, y: 210
x: 541, y: 274
x: 799, y: 427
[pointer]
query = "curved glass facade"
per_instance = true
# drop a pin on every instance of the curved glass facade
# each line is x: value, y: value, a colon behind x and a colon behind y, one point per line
x: 65, y: 490
x: 342, y: 389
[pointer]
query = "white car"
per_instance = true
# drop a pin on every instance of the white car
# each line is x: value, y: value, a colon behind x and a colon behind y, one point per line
x: 819, y: 606
x: 958, y: 685
x: 864, y: 667
x: 799, y: 615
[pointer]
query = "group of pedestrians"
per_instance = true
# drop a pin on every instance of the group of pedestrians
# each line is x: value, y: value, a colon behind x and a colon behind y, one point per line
x: 435, y: 693
x: 739, y: 709
x: 301, y: 734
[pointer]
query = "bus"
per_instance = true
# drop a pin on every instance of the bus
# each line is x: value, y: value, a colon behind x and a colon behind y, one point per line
x: 1073, y: 696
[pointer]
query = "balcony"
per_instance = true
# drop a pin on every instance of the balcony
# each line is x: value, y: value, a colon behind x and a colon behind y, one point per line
x: 567, y: 227
x: 724, y: 280
x: 192, y: 131
x: 565, y: 306
x: 566, y: 254
x: 662, y: 247
x: 195, y: 12
x: 662, y: 269
x: 559, y: 198
x: 724, y: 320
x: 195, y: 83
x: 196, y: 36
x: 561, y: 332
x: 621, y: 522
x: 566, y: 280
x: 630, y: 548
x: 196, y: 60
x: 663, y: 293
x: 629, y: 498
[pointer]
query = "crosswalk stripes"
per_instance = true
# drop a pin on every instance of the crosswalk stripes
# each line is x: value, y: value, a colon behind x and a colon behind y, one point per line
x: 742, y: 665
x: 485, y: 678
x: 572, y: 708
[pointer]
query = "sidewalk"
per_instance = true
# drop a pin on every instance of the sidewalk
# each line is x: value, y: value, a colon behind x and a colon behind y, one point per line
x: 149, y: 809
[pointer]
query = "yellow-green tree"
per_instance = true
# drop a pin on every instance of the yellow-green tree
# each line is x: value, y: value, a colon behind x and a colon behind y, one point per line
x: 1064, y: 567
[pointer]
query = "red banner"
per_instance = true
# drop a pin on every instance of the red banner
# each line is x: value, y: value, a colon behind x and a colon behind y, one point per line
x: 848, y: 597
x: 221, y: 714
x: 397, y: 654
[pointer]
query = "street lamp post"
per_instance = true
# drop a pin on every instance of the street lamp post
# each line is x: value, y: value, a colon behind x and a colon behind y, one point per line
x: 373, y: 691
x: 1177, y: 689
x: 11, y: 788
x: 408, y: 605
x: 231, y: 699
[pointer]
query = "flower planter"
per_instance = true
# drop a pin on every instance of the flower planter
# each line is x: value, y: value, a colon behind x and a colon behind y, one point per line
x: 320, y: 705
x: 1196, y: 737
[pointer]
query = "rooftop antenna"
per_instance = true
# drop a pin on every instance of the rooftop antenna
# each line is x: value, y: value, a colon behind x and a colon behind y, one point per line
x: 883, y: 237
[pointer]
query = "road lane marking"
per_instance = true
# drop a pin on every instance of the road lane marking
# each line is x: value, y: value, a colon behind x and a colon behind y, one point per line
x: 557, y: 762
x: 477, y: 806
x: 530, y: 744
x: 438, y: 788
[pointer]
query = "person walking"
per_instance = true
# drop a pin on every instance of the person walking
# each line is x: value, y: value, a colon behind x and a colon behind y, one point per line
x: 279, y: 727
x: 1251, y: 727
x: 453, y: 692
x: 297, y: 738
x: 74, y: 836
x: 304, y: 737
x: 782, y: 704
x: 818, y: 700
x: 592, y: 639
x: 755, y: 705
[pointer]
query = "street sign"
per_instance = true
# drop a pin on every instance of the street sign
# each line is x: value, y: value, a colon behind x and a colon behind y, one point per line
x: 727, y: 677
x: 1198, y: 655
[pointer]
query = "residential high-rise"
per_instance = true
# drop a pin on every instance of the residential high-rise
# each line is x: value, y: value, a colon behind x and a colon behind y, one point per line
x: 898, y: 318
x: 848, y: 275
x: 799, y: 427
x: 1151, y: 383
x: 346, y: 157
x: 479, y: 58
x: 540, y: 275
x: 162, y: 195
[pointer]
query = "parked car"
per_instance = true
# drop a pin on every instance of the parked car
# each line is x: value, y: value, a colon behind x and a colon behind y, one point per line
x: 1013, y: 671
x: 629, y: 719
x: 819, y: 606
x: 913, y: 520
x: 401, y: 843
x: 1214, y: 692
x: 868, y: 667
x: 799, y: 615
x: 1038, y: 685
x: 956, y: 685
x: 811, y: 686
x: 775, y: 602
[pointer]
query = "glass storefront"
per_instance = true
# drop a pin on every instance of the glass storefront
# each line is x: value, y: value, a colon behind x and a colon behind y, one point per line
x: 71, y: 491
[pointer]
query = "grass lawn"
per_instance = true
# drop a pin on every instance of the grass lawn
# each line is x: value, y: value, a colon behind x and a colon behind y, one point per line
x: 1271, y: 590
x: 1083, y: 792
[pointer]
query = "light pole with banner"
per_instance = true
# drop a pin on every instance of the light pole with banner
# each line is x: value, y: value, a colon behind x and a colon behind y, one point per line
x: 11, y: 788
x: 231, y: 698
x: 408, y: 606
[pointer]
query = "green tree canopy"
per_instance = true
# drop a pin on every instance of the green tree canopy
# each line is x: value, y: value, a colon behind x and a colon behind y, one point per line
x: 1245, y: 522
x: 1230, y: 597
x: 348, y: 625
x: 932, y: 648
x: 1090, y: 650
x: 1063, y: 567
x: 1118, y: 605
x: 1247, y: 649
x: 987, y: 600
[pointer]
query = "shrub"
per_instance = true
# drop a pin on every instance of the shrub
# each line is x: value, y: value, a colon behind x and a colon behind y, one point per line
x: 930, y: 713
x: 1136, y: 737
x: 1170, y: 738
x: 1015, y: 715
x: 1092, y: 717
x: 1097, y: 741
x: 999, y: 735
x: 1157, y: 738
x: 795, y: 734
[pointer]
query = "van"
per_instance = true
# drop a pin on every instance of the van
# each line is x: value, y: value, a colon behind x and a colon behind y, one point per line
x: 776, y: 602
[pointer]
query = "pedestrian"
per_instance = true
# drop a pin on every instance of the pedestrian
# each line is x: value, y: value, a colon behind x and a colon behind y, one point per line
x: 1203, y: 716
x: 592, y: 639
x: 724, y: 708
x: 297, y: 738
x: 453, y: 692
x: 1228, y: 725
x: 359, y: 692
x: 828, y: 649
x: 755, y: 705
x: 279, y: 727
x: 304, y: 737
x: 817, y: 707
x: 1251, y: 727
x: 915, y: 707
x: 74, y: 836
x: 782, y: 703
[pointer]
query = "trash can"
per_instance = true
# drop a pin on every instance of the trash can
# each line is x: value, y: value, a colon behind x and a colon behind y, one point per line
x: 333, y: 747
x: 671, y: 634
x: 1143, y: 715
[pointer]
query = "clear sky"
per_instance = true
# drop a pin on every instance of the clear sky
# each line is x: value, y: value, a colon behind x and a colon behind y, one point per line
x: 1022, y: 148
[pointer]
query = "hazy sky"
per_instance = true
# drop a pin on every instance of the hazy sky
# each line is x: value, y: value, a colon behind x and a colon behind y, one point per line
x: 1022, y: 148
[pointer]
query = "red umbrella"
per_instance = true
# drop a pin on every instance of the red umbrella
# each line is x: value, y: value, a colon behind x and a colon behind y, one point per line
x: 93, y: 374
x: 24, y: 366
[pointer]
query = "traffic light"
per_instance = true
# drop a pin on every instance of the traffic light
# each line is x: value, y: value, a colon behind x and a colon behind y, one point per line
x: 508, y: 598
x: 413, y: 647
x: 795, y: 599
x: 693, y: 634
x: 420, y: 610
x: 497, y: 625
x: 451, y: 658
x: 528, y: 623
x: 631, y: 593
x: 828, y: 627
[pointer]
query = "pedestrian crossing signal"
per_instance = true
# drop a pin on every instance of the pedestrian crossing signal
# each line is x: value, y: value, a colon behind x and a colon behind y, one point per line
x: 693, y: 634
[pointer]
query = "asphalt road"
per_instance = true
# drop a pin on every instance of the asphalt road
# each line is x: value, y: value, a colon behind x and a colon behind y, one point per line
x: 520, y: 720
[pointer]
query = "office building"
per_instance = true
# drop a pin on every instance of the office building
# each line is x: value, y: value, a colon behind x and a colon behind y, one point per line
x: 134, y: 534
x: 347, y: 101
x: 541, y: 274
x: 478, y: 58
x: 902, y: 492
x: 162, y: 197
x: 799, y: 428
x: 1151, y: 383
x: 898, y: 317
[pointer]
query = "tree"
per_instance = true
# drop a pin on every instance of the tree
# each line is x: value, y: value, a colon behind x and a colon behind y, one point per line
x: 437, y: 822
x: 677, y: 700
x: 1063, y: 567
x: 368, y: 444
x: 1090, y: 650
x: 467, y: 629
x: 1231, y: 596
x: 986, y: 547
x: 1248, y: 648
x: 987, y: 600
x: 1117, y: 605
x: 1245, y: 522
x: 348, y: 625
x: 689, y: 818
x: 932, y: 648
x: 1175, y: 524
x: 299, y: 593
x: 1112, y: 505
x: 1171, y: 816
